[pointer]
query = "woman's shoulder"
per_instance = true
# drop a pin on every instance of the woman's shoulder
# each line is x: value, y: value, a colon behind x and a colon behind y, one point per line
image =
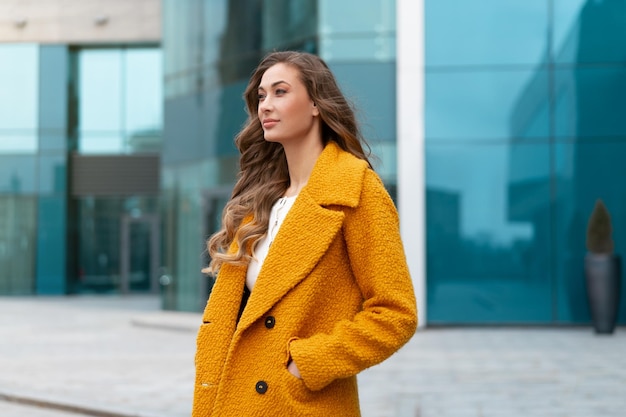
x: 337, y: 177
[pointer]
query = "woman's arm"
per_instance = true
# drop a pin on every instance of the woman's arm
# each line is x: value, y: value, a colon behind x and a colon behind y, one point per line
x: 389, y: 315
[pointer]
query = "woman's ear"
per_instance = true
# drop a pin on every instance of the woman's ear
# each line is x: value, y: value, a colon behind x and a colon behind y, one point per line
x: 316, y: 111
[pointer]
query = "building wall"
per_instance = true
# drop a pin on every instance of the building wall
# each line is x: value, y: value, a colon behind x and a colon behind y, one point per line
x: 80, y: 21
x: 58, y: 69
x: 524, y: 130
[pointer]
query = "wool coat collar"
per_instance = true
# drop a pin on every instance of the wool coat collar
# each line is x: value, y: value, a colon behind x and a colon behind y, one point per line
x: 305, y: 235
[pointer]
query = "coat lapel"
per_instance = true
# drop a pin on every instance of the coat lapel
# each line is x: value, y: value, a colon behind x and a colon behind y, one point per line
x: 308, y: 230
x: 301, y: 241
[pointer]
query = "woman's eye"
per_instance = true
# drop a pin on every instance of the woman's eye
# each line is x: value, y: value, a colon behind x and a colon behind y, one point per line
x: 261, y: 97
x: 280, y: 91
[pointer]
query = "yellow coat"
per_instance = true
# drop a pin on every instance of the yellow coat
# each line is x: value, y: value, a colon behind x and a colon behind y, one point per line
x: 334, y: 293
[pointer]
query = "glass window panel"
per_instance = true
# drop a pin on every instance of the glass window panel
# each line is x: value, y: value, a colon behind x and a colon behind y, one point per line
x: 13, y: 142
x: 215, y: 11
x: 288, y: 21
x: 591, y: 102
x: 18, y: 223
x: 372, y: 88
x: 366, y: 47
x: 487, y: 104
x: 99, y: 227
x: 488, y: 233
x: 17, y: 174
x: 498, y: 32
x: 385, y: 160
x: 52, y: 141
x: 589, y: 31
x: 190, y: 239
x: 585, y: 172
x: 52, y: 173
x: 100, y: 90
x: 53, y: 91
x: 355, y: 16
x: 101, y: 143
x: 51, y: 252
x: 143, y: 98
x: 19, y: 86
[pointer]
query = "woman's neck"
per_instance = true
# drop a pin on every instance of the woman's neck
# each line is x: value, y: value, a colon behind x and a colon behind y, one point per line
x: 301, y: 159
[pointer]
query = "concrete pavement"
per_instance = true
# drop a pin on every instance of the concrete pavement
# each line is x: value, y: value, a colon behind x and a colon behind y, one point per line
x: 123, y: 357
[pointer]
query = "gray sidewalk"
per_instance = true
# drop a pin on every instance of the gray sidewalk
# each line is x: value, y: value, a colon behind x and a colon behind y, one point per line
x: 122, y: 357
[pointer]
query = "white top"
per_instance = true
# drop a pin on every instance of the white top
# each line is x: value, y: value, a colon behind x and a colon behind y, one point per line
x: 277, y: 215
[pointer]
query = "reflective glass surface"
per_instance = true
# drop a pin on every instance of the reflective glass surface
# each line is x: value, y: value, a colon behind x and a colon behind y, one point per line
x: 488, y: 233
x: 367, y: 35
x: 18, y: 174
x: 372, y: 88
x: 51, y: 244
x: 100, y: 90
x: 143, y: 111
x: 562, y: 117
x: 356, y: 16
x: 485, y: 32
x: 120, y: 105
x: 19, y: 84
x: 19, y: 89
x: 487, y: 105
x: 586, y: 171
x: 358, y: 48
x: 18, y: 221
x: 590, y: 31
x: 591, y: 102
x: 285, y: 22
x: 52, y: 174
x: 97, y: 246
x: 18, y: 141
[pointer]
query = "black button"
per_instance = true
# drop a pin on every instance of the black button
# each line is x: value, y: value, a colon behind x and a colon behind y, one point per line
x: 270, y: 321
x: 261, y: 387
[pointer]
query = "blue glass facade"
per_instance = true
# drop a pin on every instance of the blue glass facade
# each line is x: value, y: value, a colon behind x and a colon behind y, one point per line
x: 53, y: 104
x: 32, y: 169
x: 524, y: 131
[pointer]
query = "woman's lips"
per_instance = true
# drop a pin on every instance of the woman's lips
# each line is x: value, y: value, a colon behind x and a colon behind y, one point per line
x: 269, y: 123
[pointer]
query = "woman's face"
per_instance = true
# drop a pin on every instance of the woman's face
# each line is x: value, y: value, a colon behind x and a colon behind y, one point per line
x: 286, y: 112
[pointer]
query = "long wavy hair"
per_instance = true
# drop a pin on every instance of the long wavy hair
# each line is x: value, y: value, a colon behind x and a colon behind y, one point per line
x: 263, y: 177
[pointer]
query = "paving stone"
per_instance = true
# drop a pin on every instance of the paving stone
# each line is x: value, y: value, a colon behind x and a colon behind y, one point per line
x: 125, y: 356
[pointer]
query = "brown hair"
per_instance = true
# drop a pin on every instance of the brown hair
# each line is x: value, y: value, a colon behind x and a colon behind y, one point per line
x: 263, y: 176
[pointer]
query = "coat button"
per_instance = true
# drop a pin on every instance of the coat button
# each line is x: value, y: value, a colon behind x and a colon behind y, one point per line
x: 261, y: 387
x: 270, y: 321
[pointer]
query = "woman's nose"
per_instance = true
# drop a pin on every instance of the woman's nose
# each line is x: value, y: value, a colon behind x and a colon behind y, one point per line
x: 265, y: 105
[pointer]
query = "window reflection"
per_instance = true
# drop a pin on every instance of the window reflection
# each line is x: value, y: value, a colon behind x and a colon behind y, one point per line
x: 589, y: 31
x: 488, y: 211
x: 19, y: 86
x: 17, y: 174
x: 487, y: 104
x: 511, y: 32
x: 19, y: 89
x: 120, y: 105
x: 17, y: 243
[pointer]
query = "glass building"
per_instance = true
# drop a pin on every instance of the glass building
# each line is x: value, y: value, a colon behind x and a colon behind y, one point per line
x: 80, y: 140
x: 497, y: 125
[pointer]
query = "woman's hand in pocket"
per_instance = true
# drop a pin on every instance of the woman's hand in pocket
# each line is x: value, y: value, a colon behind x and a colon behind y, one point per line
x: 293, y: 369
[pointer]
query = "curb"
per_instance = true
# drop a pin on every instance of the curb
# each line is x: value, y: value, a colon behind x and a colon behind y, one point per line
x: 61, y: 405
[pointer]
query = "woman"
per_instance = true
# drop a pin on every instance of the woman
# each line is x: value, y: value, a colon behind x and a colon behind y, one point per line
x: 313, y: 285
